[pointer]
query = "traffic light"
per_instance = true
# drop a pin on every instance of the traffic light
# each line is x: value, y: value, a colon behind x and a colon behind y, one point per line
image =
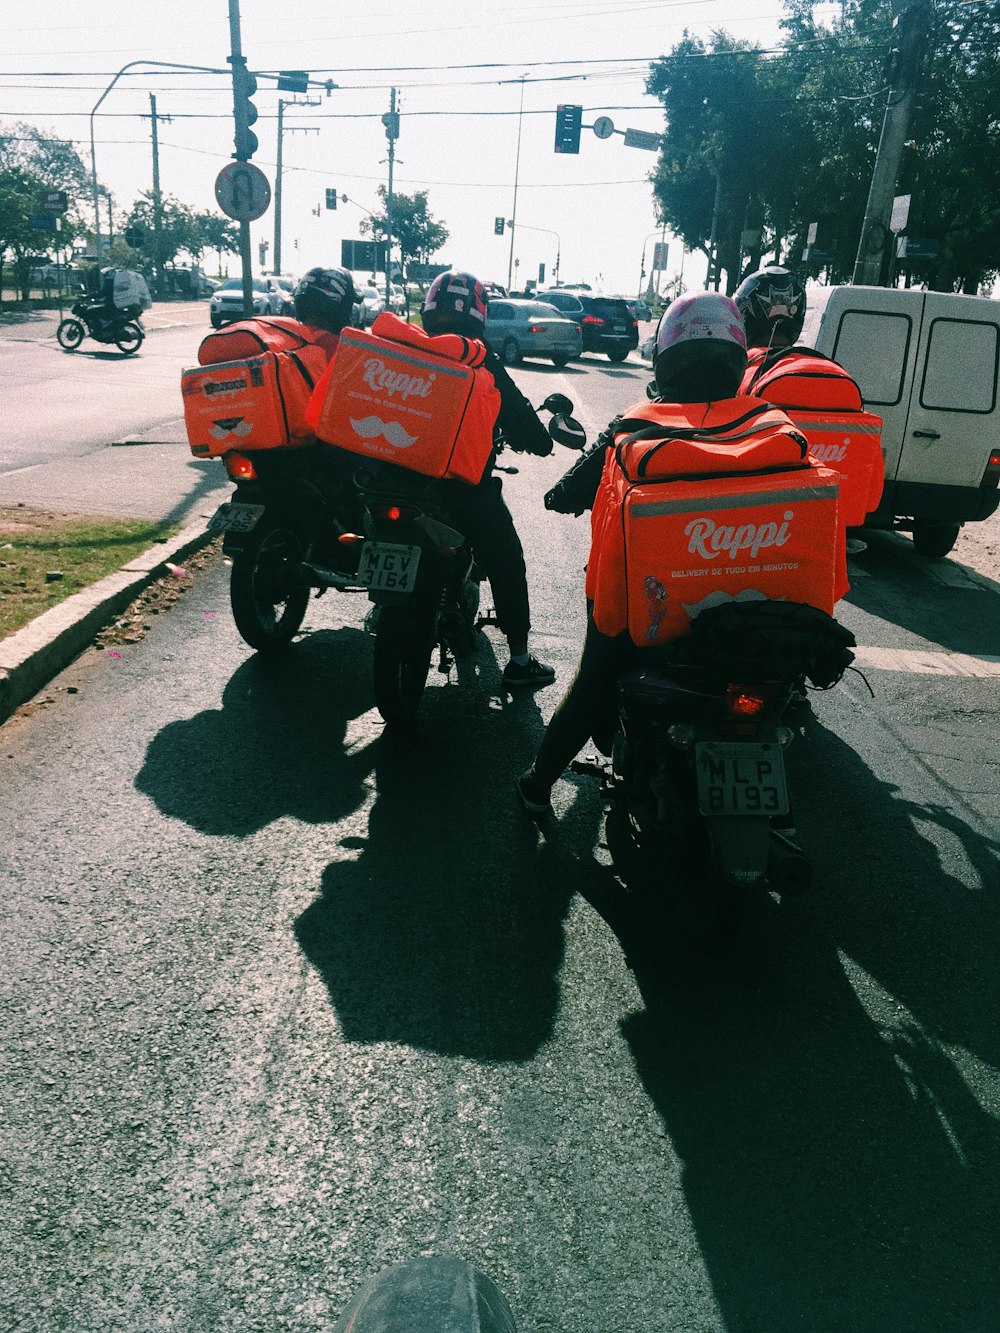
x: 568, y: 123
x: 244, y: 111
x: 331, y: 198
x: 498, y: 226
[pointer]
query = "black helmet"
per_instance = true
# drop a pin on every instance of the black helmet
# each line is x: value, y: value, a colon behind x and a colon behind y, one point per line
x: 700, y: 352
x: 324, y: 297
x: 772, y: 299
x: 455, y: 303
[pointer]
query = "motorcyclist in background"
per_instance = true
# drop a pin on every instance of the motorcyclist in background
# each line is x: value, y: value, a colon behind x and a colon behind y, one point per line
x: 456, y: 303
x: 324, y: 299
x: 772, y: 302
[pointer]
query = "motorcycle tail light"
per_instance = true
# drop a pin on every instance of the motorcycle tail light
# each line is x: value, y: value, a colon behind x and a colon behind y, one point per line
x: 240, y: 467
x: 744, y: 702
x: 395, y: 513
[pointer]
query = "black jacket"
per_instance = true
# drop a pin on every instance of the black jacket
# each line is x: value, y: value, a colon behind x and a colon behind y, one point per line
x: 518, y: 420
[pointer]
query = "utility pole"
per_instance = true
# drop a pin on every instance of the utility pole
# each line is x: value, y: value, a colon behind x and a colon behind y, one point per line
x: 907, y: 49
x: 292, y: 129
x: 391, y: 123
x: 246, y: 257
x: 157, y: 200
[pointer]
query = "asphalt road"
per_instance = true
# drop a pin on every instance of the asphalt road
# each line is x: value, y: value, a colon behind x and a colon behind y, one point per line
x: 286, y: 1001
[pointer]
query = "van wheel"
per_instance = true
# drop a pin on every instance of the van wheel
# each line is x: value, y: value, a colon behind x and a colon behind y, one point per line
x: 511, y: 353
x: 934, y: 539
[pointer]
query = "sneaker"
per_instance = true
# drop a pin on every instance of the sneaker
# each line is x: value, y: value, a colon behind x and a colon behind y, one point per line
x: 535, y: 796
x: 533, y: 673
x: 855, y: 546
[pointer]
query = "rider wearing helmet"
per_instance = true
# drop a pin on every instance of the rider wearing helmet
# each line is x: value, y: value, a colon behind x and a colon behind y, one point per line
x: 699, y: 357
x: 324, y: 299
x: 772, y: 302
x: 456, y: 303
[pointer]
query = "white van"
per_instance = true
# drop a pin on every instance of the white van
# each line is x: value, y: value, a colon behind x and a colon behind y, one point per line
x: 927, y: 363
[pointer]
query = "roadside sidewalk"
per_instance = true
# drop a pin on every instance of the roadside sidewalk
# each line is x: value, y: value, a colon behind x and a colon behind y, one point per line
x: 138, y: 477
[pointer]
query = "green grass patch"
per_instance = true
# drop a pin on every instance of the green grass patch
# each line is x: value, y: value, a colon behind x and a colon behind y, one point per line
x: 82, y: 548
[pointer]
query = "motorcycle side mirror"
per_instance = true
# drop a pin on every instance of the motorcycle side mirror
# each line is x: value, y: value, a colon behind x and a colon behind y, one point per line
x: 558, y: 402
x: 568, y: 431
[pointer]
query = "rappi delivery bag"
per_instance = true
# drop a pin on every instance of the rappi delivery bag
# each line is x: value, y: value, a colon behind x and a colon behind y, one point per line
x: 824, y: 401
x: 704, y: 503
x: 252, y: 386
x: 398, y: 395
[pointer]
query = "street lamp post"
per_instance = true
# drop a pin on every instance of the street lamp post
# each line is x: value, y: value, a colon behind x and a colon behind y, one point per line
x: 511, y: 222
x: 160, y: 64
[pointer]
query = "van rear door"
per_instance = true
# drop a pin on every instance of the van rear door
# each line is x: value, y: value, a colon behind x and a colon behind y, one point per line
x: 875, y: 338
x: 952, y: 418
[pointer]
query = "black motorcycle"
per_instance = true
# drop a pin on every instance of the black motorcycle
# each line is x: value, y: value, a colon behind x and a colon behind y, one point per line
x: 420, y: 572
x: 120, y: 328
x: 283, y: 531
x: 698, y: 807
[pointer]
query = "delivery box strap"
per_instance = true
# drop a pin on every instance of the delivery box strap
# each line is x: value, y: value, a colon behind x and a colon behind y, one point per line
x: 777, y: 355
x: 740, y: 500
x: 246, y: 331
x: 811, y: 423
x: 696, y: 435
x: 772, y: 470
x: 303, y: 369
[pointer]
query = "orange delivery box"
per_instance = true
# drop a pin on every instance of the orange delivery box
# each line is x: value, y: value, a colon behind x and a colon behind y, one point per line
x: 824, y: 401
x: 400, y: 396
x: 706, y: 503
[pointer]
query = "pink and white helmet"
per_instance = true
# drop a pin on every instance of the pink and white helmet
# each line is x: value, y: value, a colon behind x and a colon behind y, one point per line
x: 700, y: 333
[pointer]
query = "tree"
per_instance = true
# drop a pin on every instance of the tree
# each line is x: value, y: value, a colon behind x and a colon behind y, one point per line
x: 219, y: 234
x: 30, y: 162
x: 416, y: 233
x: 793, y: 135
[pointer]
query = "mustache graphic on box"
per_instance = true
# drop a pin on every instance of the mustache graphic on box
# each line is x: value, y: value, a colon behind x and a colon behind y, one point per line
x: 369, y: 428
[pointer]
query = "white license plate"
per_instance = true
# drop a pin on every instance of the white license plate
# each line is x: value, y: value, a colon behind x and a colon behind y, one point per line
x: 232, y: 517
x: 736, y: 778
x: 388, y: 567
x: 618, y: 328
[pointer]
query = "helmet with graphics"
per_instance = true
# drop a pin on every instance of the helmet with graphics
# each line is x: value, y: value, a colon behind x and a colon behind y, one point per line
x: 700, y: 352
x: 772, y: 302
x: 455, y: 303
x: 324, y: 298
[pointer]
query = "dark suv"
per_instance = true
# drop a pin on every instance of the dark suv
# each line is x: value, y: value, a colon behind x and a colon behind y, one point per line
x: 608, y: 326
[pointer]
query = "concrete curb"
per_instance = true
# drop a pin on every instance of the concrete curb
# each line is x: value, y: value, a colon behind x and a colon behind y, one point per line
x: 31, y: 657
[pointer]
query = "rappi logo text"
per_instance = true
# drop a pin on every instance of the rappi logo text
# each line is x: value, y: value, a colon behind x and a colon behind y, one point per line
x: 709, y: 539
x: 378, y: 376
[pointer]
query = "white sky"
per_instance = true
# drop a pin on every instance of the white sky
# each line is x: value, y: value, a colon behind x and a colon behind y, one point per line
x: 599, y: 203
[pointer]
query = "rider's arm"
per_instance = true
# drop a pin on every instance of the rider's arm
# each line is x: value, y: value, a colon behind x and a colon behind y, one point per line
x: 518, y: 419
x: 576, y: 489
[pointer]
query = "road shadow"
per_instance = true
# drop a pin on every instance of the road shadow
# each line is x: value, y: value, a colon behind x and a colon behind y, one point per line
x: 902, y: 590
x: 841, y: 1161
x: 544, y: 369
x: 276, y: 747
x: 443, y: 927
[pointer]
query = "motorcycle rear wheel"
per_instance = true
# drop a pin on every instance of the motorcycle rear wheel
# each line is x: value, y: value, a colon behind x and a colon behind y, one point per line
x: 70, y: 334
x: 130, y: 338
x: 267, y: 596
x: 400, y: 664
x: 686, y: 890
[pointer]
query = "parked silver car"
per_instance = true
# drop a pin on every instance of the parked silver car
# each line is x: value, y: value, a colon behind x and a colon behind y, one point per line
x: 515, y: 329
x: 226, y: 305
x: 372, y: 305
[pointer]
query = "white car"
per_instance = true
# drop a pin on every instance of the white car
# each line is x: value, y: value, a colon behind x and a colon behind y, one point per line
x: 226, y: 305
x: 372, y: 305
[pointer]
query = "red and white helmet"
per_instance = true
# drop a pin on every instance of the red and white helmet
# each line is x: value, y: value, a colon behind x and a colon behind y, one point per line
x: 700, y: 337
x: 456, y: 303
